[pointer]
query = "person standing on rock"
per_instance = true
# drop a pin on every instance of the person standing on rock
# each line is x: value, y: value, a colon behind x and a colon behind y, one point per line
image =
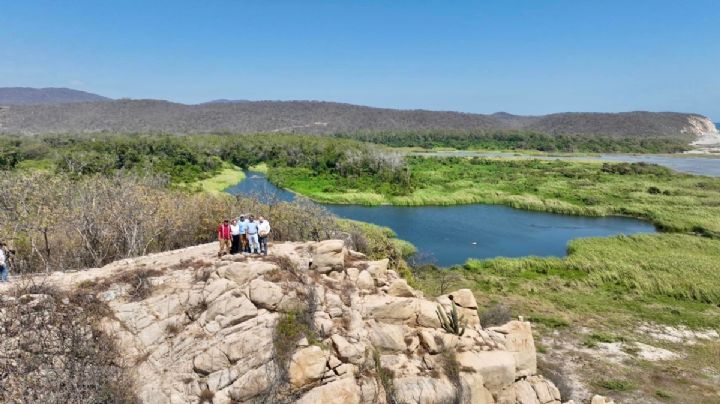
x: 3, y: 264
x: 252, y: 235
x: 235, y: 231
x: 243, y: 234
x: 263, y: 233
x: 224, y: 237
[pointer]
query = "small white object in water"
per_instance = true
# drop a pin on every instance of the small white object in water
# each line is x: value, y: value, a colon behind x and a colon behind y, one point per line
x: 474, y: 243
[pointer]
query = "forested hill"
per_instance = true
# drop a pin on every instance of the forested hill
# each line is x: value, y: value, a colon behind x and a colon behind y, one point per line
x: 35, y: 96
x: 314, y: 117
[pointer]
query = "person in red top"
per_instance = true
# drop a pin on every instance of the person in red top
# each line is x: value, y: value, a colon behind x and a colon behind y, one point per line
x: 224, y: 237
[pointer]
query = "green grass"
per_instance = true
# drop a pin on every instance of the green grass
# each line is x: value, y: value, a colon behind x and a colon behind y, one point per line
x: 678, y: 266
x: 227, y: 177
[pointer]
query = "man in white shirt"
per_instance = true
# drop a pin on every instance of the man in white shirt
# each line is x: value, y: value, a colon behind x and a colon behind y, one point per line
x: 235, y: 231
x: 263, y: 233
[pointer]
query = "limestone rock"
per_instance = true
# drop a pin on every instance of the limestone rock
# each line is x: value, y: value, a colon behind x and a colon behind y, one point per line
x: 307, y: 365
x: 519, y: 340
x: 344, y: 391
x: 424, y: 390
x: 265, y: 294
x: 378, y: 270
x: 388, y: 337
x: 598, y: 399
x: 496, y: 367
x: 329, y: 256
x: 242, y: 273
x: 525, y: 394
x: 210, y: 361
x: 365, y: 281
x: 400, y: 288
x: 392, y: 310
x: 353, y: 353
x: 233, y: 307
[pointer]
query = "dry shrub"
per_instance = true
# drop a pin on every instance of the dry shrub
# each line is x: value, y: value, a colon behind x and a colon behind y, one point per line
x: 52, y: 350
x: 497, y: 314
x: 139, y: 281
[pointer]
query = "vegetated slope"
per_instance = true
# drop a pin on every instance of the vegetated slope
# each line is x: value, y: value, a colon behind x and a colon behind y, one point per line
x: 40, y: 96
x: 316, y: 117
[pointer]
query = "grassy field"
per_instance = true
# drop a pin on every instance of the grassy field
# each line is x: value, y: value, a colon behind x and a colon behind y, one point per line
x: 228, y: 176
x: 672, y: 201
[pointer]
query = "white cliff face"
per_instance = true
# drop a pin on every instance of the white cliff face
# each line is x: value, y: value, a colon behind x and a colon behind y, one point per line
x: 705, y: 130
x: 206, y: 333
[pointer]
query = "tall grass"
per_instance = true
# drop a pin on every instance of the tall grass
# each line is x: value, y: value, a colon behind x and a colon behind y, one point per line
x: 679, y: 266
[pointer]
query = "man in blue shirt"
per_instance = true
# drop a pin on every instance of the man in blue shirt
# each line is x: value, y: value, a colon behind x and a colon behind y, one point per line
x: 252, y: 235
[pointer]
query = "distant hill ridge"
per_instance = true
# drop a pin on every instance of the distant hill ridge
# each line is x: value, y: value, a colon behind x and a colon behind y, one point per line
x: 57, y: 110
x: 39, y: 96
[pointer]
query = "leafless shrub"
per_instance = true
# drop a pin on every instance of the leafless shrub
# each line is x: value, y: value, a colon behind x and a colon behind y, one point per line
x: 497, y: 314
x: 53, y: 350
x: 139, y: 281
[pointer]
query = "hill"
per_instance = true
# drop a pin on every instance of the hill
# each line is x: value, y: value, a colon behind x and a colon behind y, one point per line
x: 40, y: 111
x: 41, y: 96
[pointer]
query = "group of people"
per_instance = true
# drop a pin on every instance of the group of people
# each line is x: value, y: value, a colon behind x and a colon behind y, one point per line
x: 244, y: 235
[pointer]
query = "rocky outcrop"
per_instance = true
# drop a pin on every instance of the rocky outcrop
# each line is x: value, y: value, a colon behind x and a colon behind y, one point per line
x: 314, y: 323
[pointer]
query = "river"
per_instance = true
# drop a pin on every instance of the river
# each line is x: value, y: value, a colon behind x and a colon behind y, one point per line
x: 449, y: 235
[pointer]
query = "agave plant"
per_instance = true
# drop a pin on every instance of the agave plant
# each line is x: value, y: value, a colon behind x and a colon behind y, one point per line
x: 450, y: 322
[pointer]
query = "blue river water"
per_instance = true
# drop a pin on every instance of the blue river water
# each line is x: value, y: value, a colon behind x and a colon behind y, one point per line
x: 449, y: 235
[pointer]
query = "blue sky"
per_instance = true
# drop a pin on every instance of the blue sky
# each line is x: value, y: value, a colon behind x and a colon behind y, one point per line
x: 525, y: 57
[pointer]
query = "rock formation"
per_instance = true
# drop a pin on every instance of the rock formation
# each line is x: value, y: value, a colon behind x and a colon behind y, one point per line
x: 312, y: 323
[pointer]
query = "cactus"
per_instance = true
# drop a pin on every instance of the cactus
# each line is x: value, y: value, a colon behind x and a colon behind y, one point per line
x: 450, y: 321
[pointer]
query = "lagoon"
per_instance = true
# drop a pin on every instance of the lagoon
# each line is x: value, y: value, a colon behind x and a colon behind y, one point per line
x: 449, y: 235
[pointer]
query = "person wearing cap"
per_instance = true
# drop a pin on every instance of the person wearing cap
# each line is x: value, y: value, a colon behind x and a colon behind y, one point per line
x: 3, y: 264
x: 252, y: 235
x: 263, y: 233
x: 224, y: 237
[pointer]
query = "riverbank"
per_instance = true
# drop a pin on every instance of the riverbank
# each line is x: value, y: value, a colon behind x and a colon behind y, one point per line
x: 673, y: 202
x: 228, y: 176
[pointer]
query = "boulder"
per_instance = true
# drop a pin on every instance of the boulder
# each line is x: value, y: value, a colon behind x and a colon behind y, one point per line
x: 378, y: 270
x: 243, y: 272
x: 519, y: 340
x: 209, y: 361
x: 329, y: 256
x: 598, y: 399
x: 427, y: 314
x: 400, y: 288
x: 388, y: 337
x: 307, y: 365
x: 353, y: 353
x: 365, y: 281
x: 392, y: 310
x: 525, y: 394
x: 265, y: 294
x: 222, y: 378
x: 252, y: 383
x: 344, y: 391
x: 496, y: 367
x: 234, y: 308
x: 473, y: 389
x: 424, y: 390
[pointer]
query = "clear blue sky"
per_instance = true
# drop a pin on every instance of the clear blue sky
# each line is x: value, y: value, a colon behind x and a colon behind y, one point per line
x: 526, y: 57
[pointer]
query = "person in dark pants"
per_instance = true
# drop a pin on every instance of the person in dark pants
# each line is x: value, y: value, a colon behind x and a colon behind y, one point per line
x: 263, y: 233
x: 3, y: 263
x: 235, y: 231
